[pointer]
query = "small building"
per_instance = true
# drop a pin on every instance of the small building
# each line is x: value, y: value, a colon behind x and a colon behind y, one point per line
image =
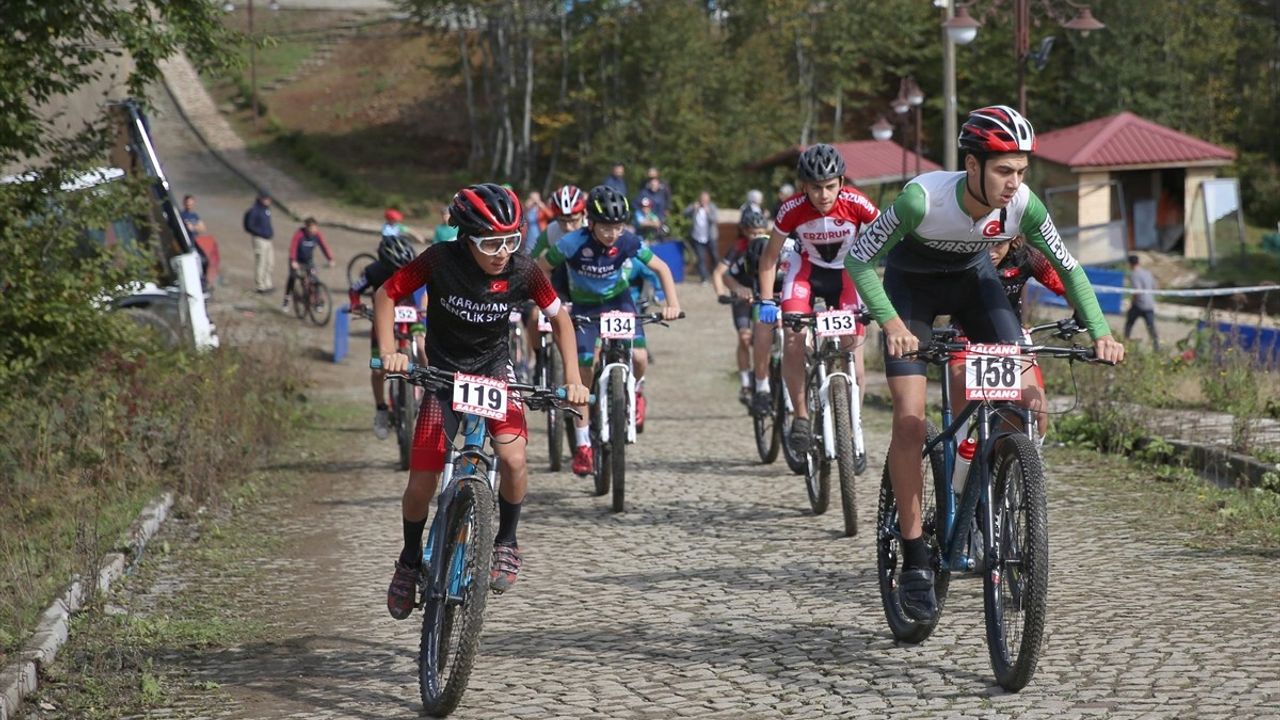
x: 1123, y: 182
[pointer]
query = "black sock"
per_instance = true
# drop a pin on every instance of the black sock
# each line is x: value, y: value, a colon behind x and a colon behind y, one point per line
x: 411, y: 554
x: 380, y: 406
x: 508, y: 518
x: 915, y: 554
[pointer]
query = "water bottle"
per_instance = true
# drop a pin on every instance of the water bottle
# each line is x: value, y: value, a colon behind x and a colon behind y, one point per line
x: 964, y: 456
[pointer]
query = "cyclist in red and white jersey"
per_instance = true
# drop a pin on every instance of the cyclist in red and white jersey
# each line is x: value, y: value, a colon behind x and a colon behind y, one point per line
x: 825, y: 217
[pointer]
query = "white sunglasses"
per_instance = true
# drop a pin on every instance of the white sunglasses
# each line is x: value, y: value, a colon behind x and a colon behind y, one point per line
x: 495, y: 244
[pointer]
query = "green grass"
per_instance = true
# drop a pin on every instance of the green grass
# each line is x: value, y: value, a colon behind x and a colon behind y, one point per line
x: 127, y: 653
x: 1174, y: 498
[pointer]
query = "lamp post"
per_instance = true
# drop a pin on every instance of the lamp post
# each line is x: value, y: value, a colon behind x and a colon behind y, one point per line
x: 910, y: 97
x: 962, y: 27
x: 253, y: 55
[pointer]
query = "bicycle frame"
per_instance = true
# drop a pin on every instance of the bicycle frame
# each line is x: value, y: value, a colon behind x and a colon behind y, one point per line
x: 447, y: 576
x: 955, y: 517
x: 826, y: 352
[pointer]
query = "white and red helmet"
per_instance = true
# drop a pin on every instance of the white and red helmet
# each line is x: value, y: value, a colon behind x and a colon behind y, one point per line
x: 568, y: 200
x: 997, y: 129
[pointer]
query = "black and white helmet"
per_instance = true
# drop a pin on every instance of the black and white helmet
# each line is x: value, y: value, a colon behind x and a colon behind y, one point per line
x: 395, y: 250
x: 752, y: 218
x: 819, y: 163
x: 608, y: 206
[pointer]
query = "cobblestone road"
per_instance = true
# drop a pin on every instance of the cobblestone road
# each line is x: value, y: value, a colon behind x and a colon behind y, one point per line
x: 717, y: 595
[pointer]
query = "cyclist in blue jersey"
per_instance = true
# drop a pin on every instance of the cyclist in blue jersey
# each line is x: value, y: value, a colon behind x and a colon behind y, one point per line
x: 596, y: 257
x: 934, y: 239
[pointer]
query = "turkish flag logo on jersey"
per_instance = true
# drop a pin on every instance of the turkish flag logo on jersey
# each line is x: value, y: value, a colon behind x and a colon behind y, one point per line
x: 993, y: 228
x: 497, y: 286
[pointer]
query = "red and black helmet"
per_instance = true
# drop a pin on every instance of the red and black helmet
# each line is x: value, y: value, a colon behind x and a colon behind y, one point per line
x: 485, y: 209
x: 568, y: 200
x: 997, y: 129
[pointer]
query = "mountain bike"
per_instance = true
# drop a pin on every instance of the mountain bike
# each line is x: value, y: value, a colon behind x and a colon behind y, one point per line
x: 402, y: 402
x: 456, y: 559
x: 769, y: 427
x: 1003, y: 492
x: 613, y: 412
x: 311, y: 297
x: 835, y: 407
x: 548, y: 371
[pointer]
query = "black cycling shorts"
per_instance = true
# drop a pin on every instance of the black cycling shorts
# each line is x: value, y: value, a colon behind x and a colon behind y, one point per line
x: 741, y: 314
x: 974, y: 298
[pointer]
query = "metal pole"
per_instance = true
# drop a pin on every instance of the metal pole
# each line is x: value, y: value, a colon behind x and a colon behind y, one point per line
x: 1021, y: 47
x: 918, y: 113
x: 253, y: 68
x: 949, y: 129
x: 903, y: 137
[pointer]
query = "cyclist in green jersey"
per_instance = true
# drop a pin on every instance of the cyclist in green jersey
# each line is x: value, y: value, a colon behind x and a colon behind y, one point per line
x: 935, y: 239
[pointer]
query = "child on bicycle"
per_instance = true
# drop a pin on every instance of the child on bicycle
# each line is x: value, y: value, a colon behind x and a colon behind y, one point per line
x: 732, y: 280
x: 394, y: 252
x: 302, y: 250
x: 826, y: 218
x: 598, y: 283
x: 475, y: 282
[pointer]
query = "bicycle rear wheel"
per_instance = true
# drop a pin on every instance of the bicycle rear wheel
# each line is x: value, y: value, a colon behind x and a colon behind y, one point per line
x: 889, y: 545
x: 551, y: 374
x: 356, y: 266
x: 1016, y: 580
x: 618, y: 421
x: 768, y: 430
x: 300, y: 298
x: 453, y: 615
x: 320, y: 309
x: 846, y: 463
x: 817, y: 468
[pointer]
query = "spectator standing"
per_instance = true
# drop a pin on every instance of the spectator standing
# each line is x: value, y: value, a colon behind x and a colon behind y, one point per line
x: 658, y: 193
x: 257, y: 222
x: 444, y: 232
x: 1142, y: 304
x: 648, y: 224
x: 190, y: 218
x: 617, y: 179
x: 755, y: 202
x: 704, y: 232
x: 204, y: 243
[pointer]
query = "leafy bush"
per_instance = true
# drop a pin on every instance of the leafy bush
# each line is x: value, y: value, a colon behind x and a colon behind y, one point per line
x: 55, y: 273
x: 1260, y: 189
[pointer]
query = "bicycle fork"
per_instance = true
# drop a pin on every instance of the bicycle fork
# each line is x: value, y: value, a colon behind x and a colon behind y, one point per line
x: 602, y: 399
x: 828, y: 420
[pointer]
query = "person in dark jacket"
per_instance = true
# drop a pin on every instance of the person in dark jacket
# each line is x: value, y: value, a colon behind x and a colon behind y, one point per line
x: 257, y: 222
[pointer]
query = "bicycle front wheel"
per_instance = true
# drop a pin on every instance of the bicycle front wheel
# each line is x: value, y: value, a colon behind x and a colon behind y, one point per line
x: 1016, y: 580
x: 551, y: 374
x: 618, y: 424
x: 454, y: 614
x: 817, y: 469
x: 889, y: 544
x: 320, y: 309
x: 300, y: 298
x: 405, y: 400
x: 846, y: 461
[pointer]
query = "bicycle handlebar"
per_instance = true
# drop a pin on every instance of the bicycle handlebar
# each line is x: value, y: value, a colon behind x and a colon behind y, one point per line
x: 940, y: 352
x: 643, y: 318
x: 433, y: 378
x: 1065, y: 328
x: 799, y: 321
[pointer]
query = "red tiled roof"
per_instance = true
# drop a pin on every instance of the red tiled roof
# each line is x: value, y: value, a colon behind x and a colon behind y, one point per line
x: 1127, y: 139
x: 867, y: 162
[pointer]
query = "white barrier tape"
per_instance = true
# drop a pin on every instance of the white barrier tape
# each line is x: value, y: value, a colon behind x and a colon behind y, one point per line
x: 1206, y: 292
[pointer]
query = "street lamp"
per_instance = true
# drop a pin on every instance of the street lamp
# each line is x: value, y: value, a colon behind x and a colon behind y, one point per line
x: 881, y: 130
x: 963, y: 28
x: 253, y: 55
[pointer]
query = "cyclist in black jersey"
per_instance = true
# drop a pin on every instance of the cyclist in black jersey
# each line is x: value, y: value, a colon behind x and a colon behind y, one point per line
x: 394, y: 252
x: 475, y: 282
x: 735, y: 278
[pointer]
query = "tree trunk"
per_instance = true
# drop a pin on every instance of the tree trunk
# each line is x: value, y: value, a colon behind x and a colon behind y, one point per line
x: 563, y: 98
x: 475, y: 156
x: 804, y: 65
x: 526, y: 135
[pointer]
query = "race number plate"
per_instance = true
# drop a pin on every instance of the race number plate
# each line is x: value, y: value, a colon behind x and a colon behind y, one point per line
x: 618, y: 325
x: 544, y: 323
x: 992, y: 372
x: 834, y: 323
x: 479, y: 395
x: 406, y: 314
